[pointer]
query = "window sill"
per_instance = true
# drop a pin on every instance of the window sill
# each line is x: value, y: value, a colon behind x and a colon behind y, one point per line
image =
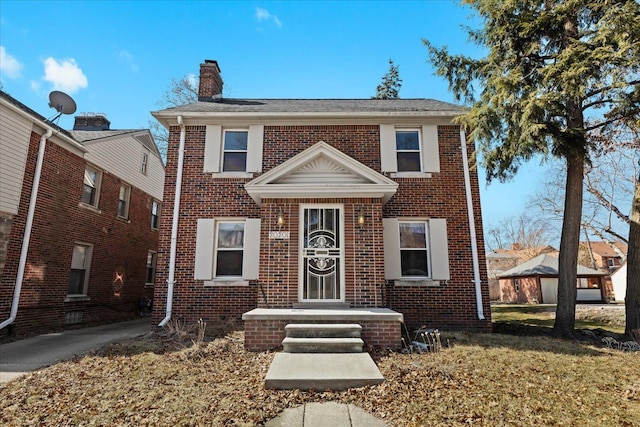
x: 77, y: 298
x: 417, y: 282
x: 89, y: 207
x: 411, y: 175
x: 149, y: 285
x: 232, y: 175
x: 225, y: 282
x: 123, y: 219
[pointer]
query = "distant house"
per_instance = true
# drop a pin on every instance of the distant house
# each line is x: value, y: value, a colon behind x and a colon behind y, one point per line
x: 90, y: 220
x: 604, y: 257
x: 619, y: 281
x: 498, y: 263
x: 536, y: 281
x: 320, y: 210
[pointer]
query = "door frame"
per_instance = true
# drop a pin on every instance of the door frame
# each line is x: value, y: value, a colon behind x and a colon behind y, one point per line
x: 301, y: 247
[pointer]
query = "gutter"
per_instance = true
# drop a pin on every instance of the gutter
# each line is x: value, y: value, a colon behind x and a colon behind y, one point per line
x: 174, y: 227
x: 472, y: 226
x: 27, y: 230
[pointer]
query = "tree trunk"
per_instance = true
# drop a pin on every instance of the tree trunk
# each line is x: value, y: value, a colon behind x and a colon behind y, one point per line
x: 632, y: 299
x: 569, y: 245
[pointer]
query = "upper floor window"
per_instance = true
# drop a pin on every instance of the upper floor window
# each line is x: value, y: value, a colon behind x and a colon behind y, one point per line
x: 144, y: 163
x: 234, y: 157
x: 91, y: 186
x: 233, y: 151
x: 155, y: 215
x: 123, y: 201
x: 80, y: 266
x: 409, y: 151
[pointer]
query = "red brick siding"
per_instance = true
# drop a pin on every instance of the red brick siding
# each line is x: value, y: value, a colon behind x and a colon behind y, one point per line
x: 119, y: 246
x: 528, y: 290
x: 451, y: 305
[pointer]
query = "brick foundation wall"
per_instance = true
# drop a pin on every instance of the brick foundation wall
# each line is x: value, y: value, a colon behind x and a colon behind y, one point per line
x: 118, y: 267
x: 262, y: 335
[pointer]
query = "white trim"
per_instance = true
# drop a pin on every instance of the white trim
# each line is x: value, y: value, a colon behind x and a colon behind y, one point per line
x: 267, y: 185
x: 301, y: 209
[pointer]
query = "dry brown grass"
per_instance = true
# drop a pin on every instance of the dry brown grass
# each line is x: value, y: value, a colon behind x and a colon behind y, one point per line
x: 485, y: 380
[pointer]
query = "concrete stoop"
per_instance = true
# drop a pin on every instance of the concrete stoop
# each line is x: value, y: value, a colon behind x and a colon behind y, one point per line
x: 322, y: 371
x: 322, y: 357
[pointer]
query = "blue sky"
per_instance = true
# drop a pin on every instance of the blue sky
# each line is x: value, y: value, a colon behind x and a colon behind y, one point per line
x: 118, y: 57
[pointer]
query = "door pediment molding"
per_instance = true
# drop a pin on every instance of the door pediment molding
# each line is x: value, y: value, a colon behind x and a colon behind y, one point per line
x: 321, y: 171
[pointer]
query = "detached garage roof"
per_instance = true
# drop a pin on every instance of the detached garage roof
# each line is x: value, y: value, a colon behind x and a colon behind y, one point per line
x: 545, y: 265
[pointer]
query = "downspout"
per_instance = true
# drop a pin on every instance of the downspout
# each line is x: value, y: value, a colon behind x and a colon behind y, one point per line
x: 472, y: 225
x: 27, y: 230
x: 174, y: 227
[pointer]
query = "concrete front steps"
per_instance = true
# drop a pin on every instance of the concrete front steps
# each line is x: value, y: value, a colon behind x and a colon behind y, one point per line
x: 322, y: 357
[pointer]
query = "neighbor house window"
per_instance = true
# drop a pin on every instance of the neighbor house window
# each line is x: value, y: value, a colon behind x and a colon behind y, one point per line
x: 414, y: 249
x: 155, y: 215
x: 152, y: 258
x: 234, y: 158
x: 91, y: 186
x: 516, y: 285
x: 229, y: 249
x: 80, y: 265
x: 408, y: 150
x: 123, y: 201
x: 143, y: 164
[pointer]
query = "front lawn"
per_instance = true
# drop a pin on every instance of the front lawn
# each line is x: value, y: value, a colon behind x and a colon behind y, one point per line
x: 610, y: 318
x: 483, y: 380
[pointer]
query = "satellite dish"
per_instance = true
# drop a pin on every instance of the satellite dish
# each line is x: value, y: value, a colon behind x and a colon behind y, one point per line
x: 62, y: 103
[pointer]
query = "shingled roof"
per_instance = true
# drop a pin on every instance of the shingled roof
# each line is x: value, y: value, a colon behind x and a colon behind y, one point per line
x: 545, y: 265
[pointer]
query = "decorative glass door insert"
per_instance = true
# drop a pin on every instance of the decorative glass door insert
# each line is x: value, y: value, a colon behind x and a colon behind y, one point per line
x: 321, y: 258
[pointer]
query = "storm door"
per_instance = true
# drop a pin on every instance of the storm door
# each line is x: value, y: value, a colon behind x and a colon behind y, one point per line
x: 322, y: 253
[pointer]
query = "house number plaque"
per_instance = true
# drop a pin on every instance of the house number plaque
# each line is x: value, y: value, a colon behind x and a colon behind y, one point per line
x: 281, y: 235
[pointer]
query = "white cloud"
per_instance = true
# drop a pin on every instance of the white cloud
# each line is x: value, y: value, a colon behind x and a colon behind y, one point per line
x: 126, y: 57
x: 9, y: 66
x: 64, y: 74
x: 264, y: 15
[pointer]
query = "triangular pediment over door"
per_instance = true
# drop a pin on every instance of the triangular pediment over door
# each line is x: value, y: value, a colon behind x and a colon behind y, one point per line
x: 321, y: 171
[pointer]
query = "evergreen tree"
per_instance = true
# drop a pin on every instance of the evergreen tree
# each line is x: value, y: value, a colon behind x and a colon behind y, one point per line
x: 391, y: 84
x: 555, y: 71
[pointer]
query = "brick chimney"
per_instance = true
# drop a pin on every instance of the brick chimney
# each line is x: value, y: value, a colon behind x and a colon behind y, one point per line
x: 91, y: 121
x: 210, y: 88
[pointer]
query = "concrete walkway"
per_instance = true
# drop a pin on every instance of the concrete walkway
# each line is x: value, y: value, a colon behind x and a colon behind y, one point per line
x: 20, y: 357
x: 325, y: 414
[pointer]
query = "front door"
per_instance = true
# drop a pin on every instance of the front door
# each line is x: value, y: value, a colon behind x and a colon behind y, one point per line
x: 322, y: 253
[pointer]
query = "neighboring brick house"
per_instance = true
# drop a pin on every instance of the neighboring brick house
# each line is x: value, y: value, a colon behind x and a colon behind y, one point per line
x: 498, y: 263
x: 94, y: 232
x: 289, y: 207
x: 605, y: 257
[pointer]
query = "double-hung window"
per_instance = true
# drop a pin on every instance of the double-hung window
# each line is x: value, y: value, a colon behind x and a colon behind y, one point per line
x: 234, y: 158
x: 155, y: 215
x: 415, y: 250
x: 227, y: 250
x: 80, y: 266
x: 144, y: 163
x: 152, y: 258
x: 91, y: 186
x: 233, y: 151
x: 409, y: 151
x: 123, y: 201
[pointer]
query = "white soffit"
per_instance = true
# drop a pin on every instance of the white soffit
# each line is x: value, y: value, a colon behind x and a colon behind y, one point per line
x: 321, y: 171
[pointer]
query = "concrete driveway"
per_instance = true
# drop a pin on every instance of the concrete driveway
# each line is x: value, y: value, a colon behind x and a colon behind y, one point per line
x: 31, y: 354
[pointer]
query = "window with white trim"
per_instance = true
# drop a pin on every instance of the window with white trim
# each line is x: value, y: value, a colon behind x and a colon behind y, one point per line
x: 416, y: 250
x: 80, y: 269
x: 227, y: 249
x: 123, y: 201
x: 91, y: 186
x: 409, y: 151
x: 233, y: 151
x: 155, y: 215
x: 152, y: 258
x: 144, y: 163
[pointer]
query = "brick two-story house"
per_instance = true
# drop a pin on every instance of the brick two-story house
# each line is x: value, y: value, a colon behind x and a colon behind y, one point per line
x: 297, y: 210
x: 79, y: 215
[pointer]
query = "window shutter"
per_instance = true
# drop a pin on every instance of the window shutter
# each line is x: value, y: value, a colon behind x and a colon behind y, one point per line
x: 439, y: 247
x: 205, y: 233
x: 388, y: 158
x: 391, y: 243
x: 251, y: 255
x: 254, y: 148
x: 212, y: 148
x: 430, y: 150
